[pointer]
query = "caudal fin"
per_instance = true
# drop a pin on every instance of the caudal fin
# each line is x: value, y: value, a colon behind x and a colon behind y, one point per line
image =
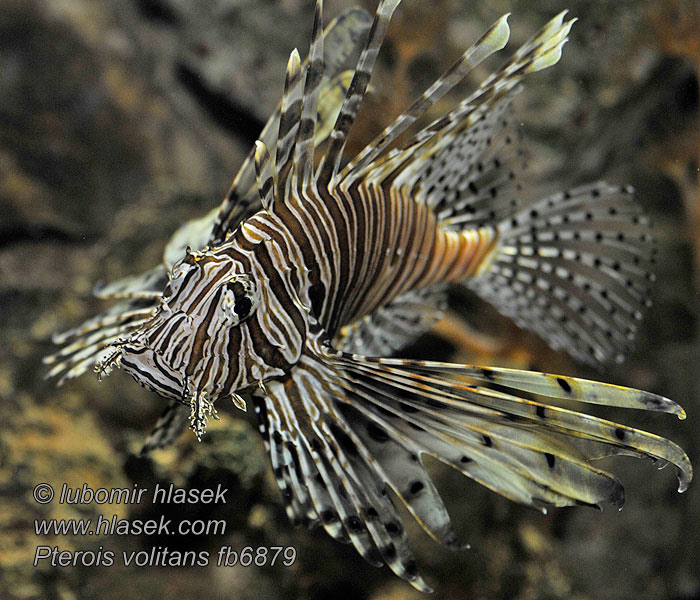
x: 575, y: 268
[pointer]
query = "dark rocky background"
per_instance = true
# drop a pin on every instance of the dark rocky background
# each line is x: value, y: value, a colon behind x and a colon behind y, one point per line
x: 119, y: 119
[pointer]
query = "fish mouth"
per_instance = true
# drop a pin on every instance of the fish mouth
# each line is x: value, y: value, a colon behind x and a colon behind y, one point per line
x: 114, y: 352
x: 145, y: 366
x: 151, y: 369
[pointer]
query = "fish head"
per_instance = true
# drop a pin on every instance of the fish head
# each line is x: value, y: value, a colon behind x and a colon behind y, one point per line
x: 207, y: 338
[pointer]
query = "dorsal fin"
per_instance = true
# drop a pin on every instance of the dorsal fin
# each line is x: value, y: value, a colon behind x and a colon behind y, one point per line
x: 492, y: 41
x: 331, y: 162
x: 342, y: 38
x: 416, y: 156
x: 263, y: 174
x: 304, y: 150
x: 289, y: 123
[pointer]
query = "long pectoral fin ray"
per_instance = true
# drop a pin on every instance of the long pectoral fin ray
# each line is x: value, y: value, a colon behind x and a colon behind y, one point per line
x: 432, y: 388
x: 326, y: 470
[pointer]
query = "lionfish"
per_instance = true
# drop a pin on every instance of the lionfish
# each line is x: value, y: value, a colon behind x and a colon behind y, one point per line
x: 315, y: 269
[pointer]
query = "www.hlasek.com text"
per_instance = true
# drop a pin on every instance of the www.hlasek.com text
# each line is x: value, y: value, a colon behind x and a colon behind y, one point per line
x: 115, y: 526
x: 157, y: 556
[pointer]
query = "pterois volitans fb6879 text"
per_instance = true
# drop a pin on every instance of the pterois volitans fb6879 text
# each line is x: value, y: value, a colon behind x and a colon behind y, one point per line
x: 315, y: 269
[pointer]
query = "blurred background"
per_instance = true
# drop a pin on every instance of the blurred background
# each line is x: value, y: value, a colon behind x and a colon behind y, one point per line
x: 120, y: 119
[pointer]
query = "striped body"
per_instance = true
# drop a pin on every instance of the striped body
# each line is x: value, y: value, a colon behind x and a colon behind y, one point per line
x: 339, y: 258
x: 365, y: 246
x: 312, y: 272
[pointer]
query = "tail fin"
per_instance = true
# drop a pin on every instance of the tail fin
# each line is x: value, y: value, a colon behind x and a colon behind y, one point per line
x: 575, y: 268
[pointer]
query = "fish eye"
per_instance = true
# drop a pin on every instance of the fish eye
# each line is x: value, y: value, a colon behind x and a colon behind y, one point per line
x: 239, y: 299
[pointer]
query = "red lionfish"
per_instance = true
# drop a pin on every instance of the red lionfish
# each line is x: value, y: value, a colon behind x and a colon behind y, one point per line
x: 311, y: 270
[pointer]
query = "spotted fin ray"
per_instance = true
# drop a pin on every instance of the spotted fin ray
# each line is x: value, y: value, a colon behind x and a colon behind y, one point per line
x: 575, y: 268
x: 493, y: 40
x: 326, y: 473
x: 439, y: 156
x: 306, y: 135
x: 341, y: 428
x: 330, y: 163
x: 138, y: 295
x: 197, y: 233
x: 426, y: 380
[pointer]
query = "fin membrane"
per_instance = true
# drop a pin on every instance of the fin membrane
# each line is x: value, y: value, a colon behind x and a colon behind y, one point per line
x: 453, y: 406
x: 343, y: 429
x: 86, y: 345
x: 326, y: 473
x: 575, y: 268
x: 394, y: 325
x: 340, y: 40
